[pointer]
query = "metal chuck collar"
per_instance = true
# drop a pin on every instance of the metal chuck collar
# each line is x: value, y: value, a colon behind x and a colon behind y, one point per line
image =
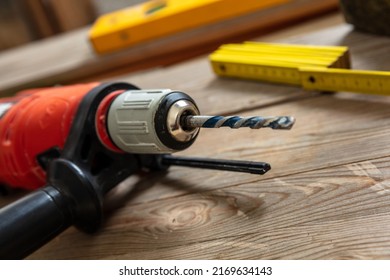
x: 151, y: 121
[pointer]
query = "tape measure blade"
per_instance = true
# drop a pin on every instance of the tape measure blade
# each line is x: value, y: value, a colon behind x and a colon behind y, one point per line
x: 264, y: 73
x: 360, y: 81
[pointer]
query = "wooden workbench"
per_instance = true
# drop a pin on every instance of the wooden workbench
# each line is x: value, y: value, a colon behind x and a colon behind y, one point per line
x: 326, y: 197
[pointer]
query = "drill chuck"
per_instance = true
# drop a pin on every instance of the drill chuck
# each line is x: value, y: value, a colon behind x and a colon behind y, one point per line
x: 149, y: 121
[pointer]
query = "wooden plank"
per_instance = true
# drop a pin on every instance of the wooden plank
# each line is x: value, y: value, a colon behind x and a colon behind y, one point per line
x: 334, y: 213
x: 69, y: 57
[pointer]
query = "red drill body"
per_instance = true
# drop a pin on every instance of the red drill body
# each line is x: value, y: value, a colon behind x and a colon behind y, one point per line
x: 31, y: 123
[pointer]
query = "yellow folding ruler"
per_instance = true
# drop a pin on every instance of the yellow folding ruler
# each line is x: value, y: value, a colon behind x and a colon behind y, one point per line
x: 324, y: 68
x: 159, y: 18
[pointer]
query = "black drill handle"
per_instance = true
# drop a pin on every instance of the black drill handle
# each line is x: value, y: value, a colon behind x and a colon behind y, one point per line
x: 32, y: 221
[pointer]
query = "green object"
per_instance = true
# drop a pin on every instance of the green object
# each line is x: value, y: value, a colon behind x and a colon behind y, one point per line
x: 368, y: 15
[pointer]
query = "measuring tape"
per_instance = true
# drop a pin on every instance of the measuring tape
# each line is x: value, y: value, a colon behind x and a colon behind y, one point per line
x: 312, y: 67
x: 371, y: 82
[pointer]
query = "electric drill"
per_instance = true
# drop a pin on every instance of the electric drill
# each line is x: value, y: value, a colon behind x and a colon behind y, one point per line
x: 73, y: 144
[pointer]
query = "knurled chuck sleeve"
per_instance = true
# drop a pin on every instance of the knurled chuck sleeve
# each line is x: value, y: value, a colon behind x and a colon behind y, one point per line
x: 150, y: 121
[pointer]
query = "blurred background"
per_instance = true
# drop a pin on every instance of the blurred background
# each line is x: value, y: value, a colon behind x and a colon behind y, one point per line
x: 71, y: 58
x: 23, y: 21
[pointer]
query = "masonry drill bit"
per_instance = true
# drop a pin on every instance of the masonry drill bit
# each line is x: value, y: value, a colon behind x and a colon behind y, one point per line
x: 282, y: 122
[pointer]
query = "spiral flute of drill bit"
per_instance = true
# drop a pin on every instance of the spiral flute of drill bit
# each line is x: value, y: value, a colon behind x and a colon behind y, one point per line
x: 281, y: 122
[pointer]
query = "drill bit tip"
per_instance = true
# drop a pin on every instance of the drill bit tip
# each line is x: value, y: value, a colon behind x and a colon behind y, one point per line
x: 256, y: 122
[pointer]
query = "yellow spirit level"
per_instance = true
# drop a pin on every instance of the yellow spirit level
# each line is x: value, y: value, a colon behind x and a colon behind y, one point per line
x: 159, y: 18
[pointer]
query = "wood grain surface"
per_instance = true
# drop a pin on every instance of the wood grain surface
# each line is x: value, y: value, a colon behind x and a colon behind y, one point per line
x: 340, y: 212
x: 327, y: 195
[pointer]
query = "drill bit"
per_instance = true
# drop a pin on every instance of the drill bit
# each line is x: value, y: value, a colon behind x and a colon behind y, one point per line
x: 283, y: 122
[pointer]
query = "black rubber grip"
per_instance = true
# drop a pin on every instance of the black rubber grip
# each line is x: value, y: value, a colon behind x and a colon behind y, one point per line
x: 32, y: 221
